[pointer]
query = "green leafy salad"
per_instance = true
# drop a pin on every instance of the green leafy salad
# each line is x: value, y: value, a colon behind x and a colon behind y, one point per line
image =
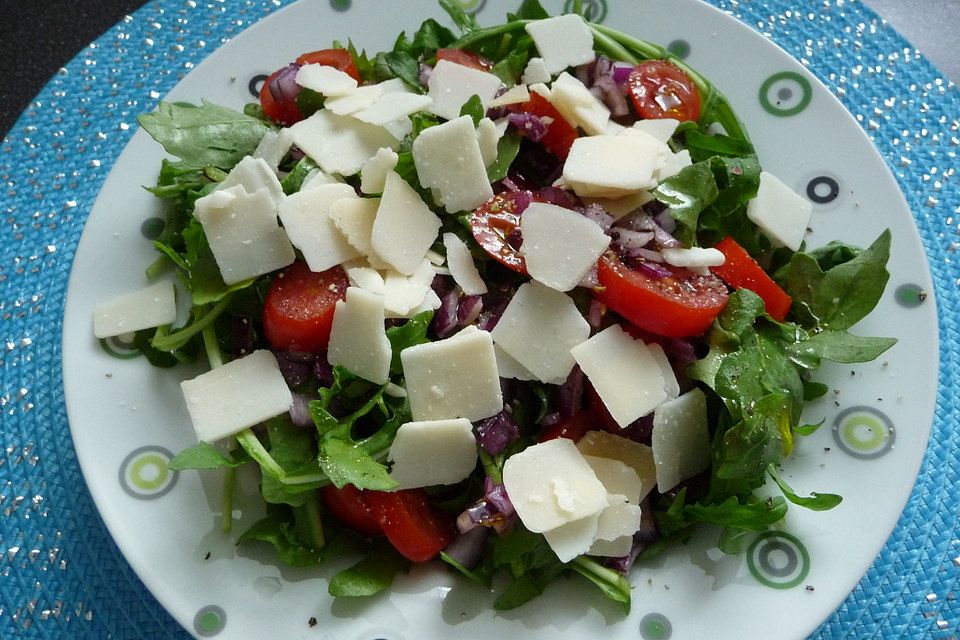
x: 519, y: 299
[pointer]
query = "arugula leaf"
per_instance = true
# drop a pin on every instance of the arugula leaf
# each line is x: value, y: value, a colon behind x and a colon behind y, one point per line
x: 838, y: 346
x: 529, y: 10
x: 293, y: 181
x: 346, y: 463
x: 398, y: 64
x: 686, y: 195
x: 279, y: 529
x: 204, y: 455
x: 205, y: 134
x: 463, y: 20
x: 613, y: 584
x: 473, y: 108
x: 365, y: 66
x: 511, y: 66
x: 292, y: 448
x: 429, y: 37
x: 369, y: 576
x: 753, y: 515
x: 507, y: 149
x: 409, y: 334
x: 762, y: 438
x: 731, y: 540
x: 815, y: 501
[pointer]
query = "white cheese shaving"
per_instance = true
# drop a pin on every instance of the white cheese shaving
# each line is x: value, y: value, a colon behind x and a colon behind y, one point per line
x: 616, y: 525
x: 516, y: 94
x: 448, y: 159
x: 149, y: 307
x: 240, y: 394
x: 325, y: 79
x: 357, y: 338
x: 635, y: 455
x: 560, y: 246
x: 508, y: 367
x: 451, y: 85
x: 488, y: 137
x: 670, y: 385
x: 680, y: 440
x: 612, y: 166
x: 673, y: 163
x: 693, y: 257
x: 366, y: 278
x: 363, y: 97
x: 573, y: 538
x: 616, y: 477
x: 578, y: 106
x: 391, y: 107
x: 373, y: 174
x: 254, y: 174
x: 402, y: 293
x: 340, y: 144
x: 660, y: 128
x: 433, y: 452
x: 623, y: 206
x: 780, y: 212
x: 404, y: 228
x: 535, y: 72
x: 462, y: 267
x: 306, y: 217
x: 354, y: 218
x: 273, y: 146
x: 563, y: 41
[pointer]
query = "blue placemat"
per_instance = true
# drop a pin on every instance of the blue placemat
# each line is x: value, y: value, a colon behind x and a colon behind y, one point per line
x: 61, y: 576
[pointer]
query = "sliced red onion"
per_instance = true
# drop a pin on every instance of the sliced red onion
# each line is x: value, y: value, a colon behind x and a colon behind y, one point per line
x: 497, y: 496
x: 494, y: 304
x: 300, y: 411
x: 514, y: 238
x: 550, y: 419
x: 469, y: 310
x: 655, y: 207
x: 559, y: 197
x: 323, y: 370
x: 570, y: 394
x: 621, y: 72
x: 424, y: 76
x: 534, y: 127
x: 637, y: 221
x: 598, y: 214
x: 295, y: 367
x: 652, y: 269
x: 631, y: 242
x: 445, y: 318
x: 664, y: 239
x: 522, y: 200
x: 509, y: 185
x: 283, y: 86
x: 496, y: 433
x: 682, y: 352
x: 467, y: 548
x: 667, y: 222
x: 595, y: 314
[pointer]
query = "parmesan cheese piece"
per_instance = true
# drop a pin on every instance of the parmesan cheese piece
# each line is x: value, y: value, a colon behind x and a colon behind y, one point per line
x: 488, y: 137
x: 402, y: 293
x: 433, y: 452
x: 573, y: 538
x: 373, y: 174
x: 617, y: 478
x: 451, y: 85
x: 622, y: 206
x: 578, y: 106
x: 366, y: 278
x: 354, y: 218
x: 453, y: 378
x: 560, y: 246
x: 535, y: 72
x: 404, y: 228
x: 507, y: 367
x: 325, y: 79
x: 240, y: 394
x: 149, y: 307
x: 635, y: 455
x: 670, y: 385
x: 673, y: 163
x: 430, y: 303
x: 243, y: 233
x: 550, y: 484
x: 612, y: 166
x: 340, y: 144
x: 516, y: 94
x: 616, y: 525
x: 254, y: 174
x: 781, y: 213
x: 391, y: 107
x: 539, y: 328
x: 363, y: 97
x: 564, y: 41
x: 680, y: 440
x: 357, y: 338
x: 461, y: 265
x: 448, y: 159
x: 306, y: 217
x: 693, y: 257
x: 660, y: 128
x: 624, y: 373
x: 273, y: 146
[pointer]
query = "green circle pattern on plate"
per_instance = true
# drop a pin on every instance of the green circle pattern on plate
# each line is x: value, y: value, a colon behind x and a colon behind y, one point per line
x: 209, y: 621
x: 911, y: 295
x: 655, y: 626
x: 119, y: 347
x: 778, y: 560
x: 144, y: 473
x: 863, y: 432
x: 785, y: 94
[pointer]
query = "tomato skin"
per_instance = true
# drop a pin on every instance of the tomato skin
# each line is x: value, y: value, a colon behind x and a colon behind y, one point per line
x: 283, y: 111
x: 298, y: 310
x: 349, y: 505
x: 410, y: 523
x: 560, y: 133
x: 660, y: 89
x: 676, y: 306
x: 465, y: 58
x: 572, y: 428
x: 741, y: 271
x: 336, y: 58
x: 495, y: 223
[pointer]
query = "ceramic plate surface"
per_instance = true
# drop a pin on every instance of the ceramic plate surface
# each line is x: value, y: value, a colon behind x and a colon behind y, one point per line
x: 128, y: 418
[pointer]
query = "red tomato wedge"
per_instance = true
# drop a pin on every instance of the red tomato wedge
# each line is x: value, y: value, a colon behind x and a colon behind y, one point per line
x: 349, y: 505
x: 336, y: 58
x: 495, y: 226
x: 678, y: 305
x: 465, y: 58
x: 410, y: 523
x: 298, y: 310
x: 662, y: 90
x: 572, y: 428
x: 283, y: 109
x: 560, y: 133
x: 740, y: 271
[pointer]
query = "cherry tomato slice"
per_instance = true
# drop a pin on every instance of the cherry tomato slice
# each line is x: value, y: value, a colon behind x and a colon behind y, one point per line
x: 283, y: 109
x: 572, y: 428
x: 496, y: 227
x: 298, y: 310
x: 410, y: 523
x: 740, y: 271
x: 680, y: 304
x: 465, y: 58
x: 662, y: 90
x: 336, y: 58
x: 349, y: 505
x: 560, y: 133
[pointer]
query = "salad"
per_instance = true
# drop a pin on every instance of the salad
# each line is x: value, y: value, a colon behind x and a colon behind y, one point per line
x: 519, y: 299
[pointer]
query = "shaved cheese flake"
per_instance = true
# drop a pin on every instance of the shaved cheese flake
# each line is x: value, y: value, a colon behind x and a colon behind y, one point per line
x: 391, y: 107
x: 362, y: 97
x: 237, y: 395
x: 366, y: 278
x: 430, y: 303
x: 674, y: 163
x: 357, y: 338
x: 535, y: 72
x: 273, y: 146
x: 254, y: 174
x: 243, y: 233
x: 660, y: 128
x: 624, y: 373
x: 573, y: 538
x: 403, y: 293
x: 550, y: 484
x: 433, y: 452
x: 516, y: 94
x: 564, y: 41
x: 622, y: 206
x: 354, y: 217
x: 373, y: 174
x: 488, y: 137
x: 616, y: 525
x: 448, y: 159
x: 451, y: 85
x: 578, y: 106
x: 508, y: 367
x: 306, y: 217
x: 616, y: 477
x: 340, y: 144
x: 680, y: 440
x: 612, y: 166
x: 404, y: 228
x: 560, y: 246
x: 780, y: 212
x: 325, y: 79
x: 539, y: 328
x: 462, y: 267
x: 635, y: 455
x: 670, y: 385
x: 693, y: 257
x: 146, y: 308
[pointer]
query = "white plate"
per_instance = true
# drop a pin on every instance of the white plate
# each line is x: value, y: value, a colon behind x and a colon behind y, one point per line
x: 128, y: 417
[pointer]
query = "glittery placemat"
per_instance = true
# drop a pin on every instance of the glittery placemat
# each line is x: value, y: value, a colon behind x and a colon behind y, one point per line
x: 61, y: 576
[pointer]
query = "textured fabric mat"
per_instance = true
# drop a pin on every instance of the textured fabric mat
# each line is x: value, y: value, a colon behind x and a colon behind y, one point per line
x: 61, y: 576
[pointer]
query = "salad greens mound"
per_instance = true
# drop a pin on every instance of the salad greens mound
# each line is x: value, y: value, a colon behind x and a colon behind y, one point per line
x: 686, y: 269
